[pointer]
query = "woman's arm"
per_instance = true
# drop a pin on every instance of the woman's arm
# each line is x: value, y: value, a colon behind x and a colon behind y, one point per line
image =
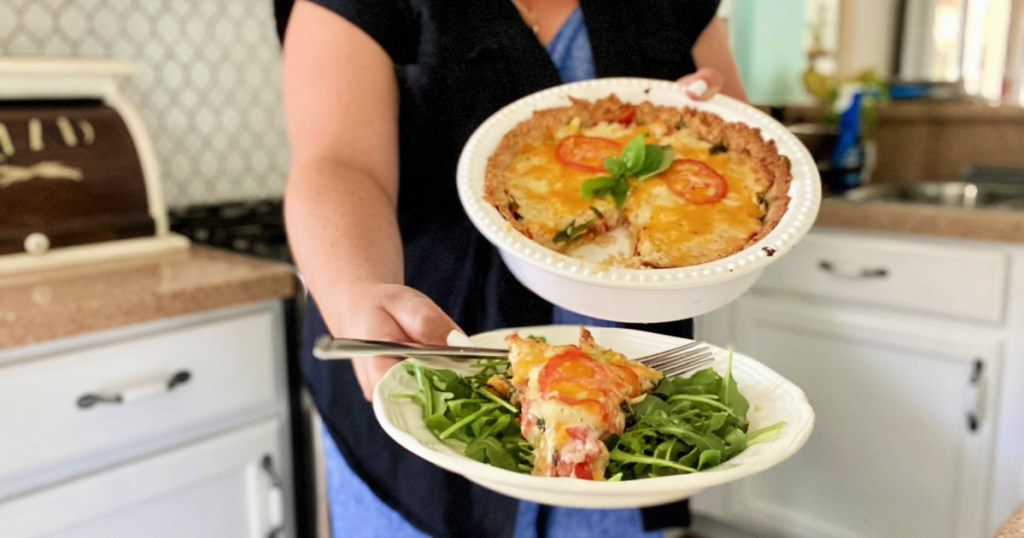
x: 341, y: 109
x: 715, y: 64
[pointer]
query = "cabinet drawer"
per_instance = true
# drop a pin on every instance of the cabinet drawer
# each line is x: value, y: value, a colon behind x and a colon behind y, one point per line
x: 218, y: 487
x: 950, y: 280
x: 53, y: 410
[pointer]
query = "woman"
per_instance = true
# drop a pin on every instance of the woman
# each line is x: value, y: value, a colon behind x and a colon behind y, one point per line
x: 380, y: 96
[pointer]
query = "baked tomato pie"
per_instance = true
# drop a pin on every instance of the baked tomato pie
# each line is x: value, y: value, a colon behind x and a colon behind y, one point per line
x: 689, y: 186
x: 571, y: 400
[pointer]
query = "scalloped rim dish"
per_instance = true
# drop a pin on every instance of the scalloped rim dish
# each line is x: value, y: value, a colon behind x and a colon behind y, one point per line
x: 772, y: 398
x: 804, y: 191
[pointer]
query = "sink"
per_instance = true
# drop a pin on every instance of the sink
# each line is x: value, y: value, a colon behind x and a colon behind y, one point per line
x: 955, y: 194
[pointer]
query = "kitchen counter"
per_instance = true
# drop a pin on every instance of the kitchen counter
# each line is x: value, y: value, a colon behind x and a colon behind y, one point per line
x: 982, y: 224
x: 1014, y: 527
x: 46, y: 305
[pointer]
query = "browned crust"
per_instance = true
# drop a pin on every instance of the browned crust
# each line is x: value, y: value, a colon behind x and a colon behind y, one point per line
x: 542, y: 124
x: 773, y: 168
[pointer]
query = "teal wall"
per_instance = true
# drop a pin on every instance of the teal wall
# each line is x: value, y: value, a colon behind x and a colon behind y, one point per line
x: 767, y: 38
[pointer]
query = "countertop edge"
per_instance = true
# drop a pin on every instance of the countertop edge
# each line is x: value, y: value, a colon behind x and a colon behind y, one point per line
x: 989, y: 225
x: 61, y: 303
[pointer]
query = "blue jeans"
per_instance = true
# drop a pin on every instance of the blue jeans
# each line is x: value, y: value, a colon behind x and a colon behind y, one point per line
x: 356, y: 512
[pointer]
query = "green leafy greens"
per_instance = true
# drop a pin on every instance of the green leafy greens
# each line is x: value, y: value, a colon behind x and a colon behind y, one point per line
x: 637, y: 160
x: 457, y: 408
x: 687, y: 424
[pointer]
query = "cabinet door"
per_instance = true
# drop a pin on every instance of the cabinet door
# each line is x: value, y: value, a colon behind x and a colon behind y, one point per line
x: 901, y: 442
x: 225, y: 486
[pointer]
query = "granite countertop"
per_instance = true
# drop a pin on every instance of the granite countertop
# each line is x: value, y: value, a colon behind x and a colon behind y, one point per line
x: 983, y: 224
x: 1014, y: 527
x: 45, y: 305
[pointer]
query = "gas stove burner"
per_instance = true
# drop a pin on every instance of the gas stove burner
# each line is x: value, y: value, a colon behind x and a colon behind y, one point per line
x: 253, y: 227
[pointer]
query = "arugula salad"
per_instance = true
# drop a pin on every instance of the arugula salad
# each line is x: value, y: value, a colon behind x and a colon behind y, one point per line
x: 686, y: 425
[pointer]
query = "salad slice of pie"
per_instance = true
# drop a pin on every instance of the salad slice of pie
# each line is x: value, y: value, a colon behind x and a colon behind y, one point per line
x: 571, y: 399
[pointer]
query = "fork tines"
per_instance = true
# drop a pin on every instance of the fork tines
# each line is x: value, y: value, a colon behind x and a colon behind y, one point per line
x: 680, y: 359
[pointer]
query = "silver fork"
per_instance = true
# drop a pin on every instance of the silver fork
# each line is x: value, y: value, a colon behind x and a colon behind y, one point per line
x: 673, y: 361
x: 680, y: 359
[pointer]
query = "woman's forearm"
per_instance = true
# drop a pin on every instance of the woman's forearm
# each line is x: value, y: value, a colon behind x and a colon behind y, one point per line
x: 342, y: 229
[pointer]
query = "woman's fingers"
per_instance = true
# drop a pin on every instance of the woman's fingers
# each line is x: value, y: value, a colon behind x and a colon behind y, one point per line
x: 397, y: 314
x: 370, y: 370
x: 420, y: 318
x: 703, y: 84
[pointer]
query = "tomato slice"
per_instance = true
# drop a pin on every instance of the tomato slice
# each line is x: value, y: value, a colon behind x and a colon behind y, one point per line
x: 695, y: 181
x: 577, y: 379
x: 586, y: 153
x: 628, y: 378
x: 627, y: 115
x: 583, y: 471
x: 571, y: 373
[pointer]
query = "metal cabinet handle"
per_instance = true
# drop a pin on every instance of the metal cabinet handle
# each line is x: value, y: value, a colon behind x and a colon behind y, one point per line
x: 275, y: 498
x: 974, y: 398
x: 135, y: 392
x: 850, y: 272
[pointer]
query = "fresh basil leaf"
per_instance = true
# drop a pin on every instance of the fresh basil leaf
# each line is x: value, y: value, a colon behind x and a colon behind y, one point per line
x: 615, y: 166
x: 633, y: 155
x: 657, y: 159
x: 619, y: 192
x: 597, y: 186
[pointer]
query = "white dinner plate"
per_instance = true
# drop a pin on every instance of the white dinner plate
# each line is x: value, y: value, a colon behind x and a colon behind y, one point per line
x: 772, y: 399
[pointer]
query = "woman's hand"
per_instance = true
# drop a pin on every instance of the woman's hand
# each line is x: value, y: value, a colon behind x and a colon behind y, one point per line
x: 390, y: 312
x: 703, y: 84
x: 716, y: 68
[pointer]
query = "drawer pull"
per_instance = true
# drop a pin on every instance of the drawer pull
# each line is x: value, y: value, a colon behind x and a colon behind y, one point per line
x: 974, y: 398
x: 847, y: 272
x: 275, y: 498
x: 136, y: 392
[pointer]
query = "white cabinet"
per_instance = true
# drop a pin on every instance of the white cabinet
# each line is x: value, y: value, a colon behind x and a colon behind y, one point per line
x: 907, y: 386
x: 172, y: 428
x: 225, y: 486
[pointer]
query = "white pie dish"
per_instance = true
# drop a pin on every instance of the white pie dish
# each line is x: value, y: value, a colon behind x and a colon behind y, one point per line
x: 772, y: 399
x: 580, y: 282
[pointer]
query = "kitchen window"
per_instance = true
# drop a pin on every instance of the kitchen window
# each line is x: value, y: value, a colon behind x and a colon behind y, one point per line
x: 979, y: 43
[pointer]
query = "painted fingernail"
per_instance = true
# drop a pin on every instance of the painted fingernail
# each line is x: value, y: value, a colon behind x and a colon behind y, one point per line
x: 458, y: 338
x: 698, y: 88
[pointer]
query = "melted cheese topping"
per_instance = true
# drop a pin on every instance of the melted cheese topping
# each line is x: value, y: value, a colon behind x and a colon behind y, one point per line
x: 665, y: 226
x: 571, y: 399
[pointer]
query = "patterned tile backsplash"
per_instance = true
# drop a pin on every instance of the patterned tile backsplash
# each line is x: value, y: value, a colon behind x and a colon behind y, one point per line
x: 207, y: 82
